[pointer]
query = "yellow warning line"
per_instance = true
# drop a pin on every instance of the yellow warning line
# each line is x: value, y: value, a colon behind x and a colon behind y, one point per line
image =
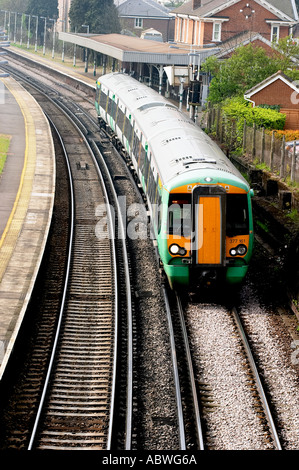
x: 27, y: 174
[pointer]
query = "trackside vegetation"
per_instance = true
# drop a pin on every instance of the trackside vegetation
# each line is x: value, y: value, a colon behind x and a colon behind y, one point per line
x: 238, y: 110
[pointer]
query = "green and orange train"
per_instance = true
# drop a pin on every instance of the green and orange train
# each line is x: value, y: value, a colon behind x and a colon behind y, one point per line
x: 199, y: 203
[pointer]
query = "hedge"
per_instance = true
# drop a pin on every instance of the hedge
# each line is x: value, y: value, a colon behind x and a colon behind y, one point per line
x: 238, y: 110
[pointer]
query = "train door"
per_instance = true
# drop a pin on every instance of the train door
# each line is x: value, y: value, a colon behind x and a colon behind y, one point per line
x: 208, y: 221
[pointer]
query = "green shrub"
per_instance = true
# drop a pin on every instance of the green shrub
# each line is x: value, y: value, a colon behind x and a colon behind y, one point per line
x: 238, y: 110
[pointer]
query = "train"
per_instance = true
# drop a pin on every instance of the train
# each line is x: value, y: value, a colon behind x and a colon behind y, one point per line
x: 199, y: 204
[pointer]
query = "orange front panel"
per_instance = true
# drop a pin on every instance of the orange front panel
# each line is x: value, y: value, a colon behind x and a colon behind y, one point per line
x: 209, y: 231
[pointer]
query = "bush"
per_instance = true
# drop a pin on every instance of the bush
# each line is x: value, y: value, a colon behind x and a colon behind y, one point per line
x: 239, y: 110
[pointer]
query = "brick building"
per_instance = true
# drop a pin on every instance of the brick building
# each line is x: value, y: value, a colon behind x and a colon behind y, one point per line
x: 278, y: 89
x: 137, y: 16
x: 203, y: 22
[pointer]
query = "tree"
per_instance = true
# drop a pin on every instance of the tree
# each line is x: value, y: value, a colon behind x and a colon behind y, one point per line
x: 100, y: 15
x: 247, y: 67
x: 48, y: 8
x: 14, y: 5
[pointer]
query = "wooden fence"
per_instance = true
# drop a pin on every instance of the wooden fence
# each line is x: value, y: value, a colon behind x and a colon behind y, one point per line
x: 261, y: 147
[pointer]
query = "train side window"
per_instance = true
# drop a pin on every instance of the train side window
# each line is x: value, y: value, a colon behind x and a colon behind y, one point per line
x: 111, y: 108
x: 141, y: 159
x: 136, y: 143
x: 147, y: 167
x: 120, y: 119
x: 103, y: 100
x: 128, y: 130
x: 236, y: 215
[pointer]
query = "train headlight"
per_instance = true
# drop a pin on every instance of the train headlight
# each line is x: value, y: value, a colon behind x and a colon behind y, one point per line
x: 239, y: 250
x: 174, y: 249
x: 177, y: 250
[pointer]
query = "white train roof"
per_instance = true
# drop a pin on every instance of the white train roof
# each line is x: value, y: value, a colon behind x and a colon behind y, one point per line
x: 176, y: 142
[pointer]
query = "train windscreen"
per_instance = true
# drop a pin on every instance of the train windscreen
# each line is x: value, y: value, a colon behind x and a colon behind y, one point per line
x: 236, y: 215
x: 179, y: 215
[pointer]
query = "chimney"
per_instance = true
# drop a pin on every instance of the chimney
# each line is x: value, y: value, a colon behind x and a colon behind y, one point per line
x: 196, y: 4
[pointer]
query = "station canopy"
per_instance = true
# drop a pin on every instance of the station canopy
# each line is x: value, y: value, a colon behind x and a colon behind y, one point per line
x: 131, y: 49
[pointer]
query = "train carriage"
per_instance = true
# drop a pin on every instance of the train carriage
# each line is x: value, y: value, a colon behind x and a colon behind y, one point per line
x: 200, y: 205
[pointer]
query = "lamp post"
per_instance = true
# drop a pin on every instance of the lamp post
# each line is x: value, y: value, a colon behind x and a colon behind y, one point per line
x: 36, y: 31
x: 21, y: 38
x: 15, y: 31
x: 86, y: 50
x: 45, y: 29
x: 63, y: 29
x: 54, y: 27
x: 28, y: 36
x: 74, y: 59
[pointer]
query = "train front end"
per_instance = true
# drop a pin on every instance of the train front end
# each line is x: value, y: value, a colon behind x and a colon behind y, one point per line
x: 208, y: 232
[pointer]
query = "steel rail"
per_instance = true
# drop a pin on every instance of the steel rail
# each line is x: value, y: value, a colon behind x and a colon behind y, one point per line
x: 182, y: 436
x: 257, y: 379
x: 129, y: 407
x: 50, y: 367
x: 67, y: 113
x: 112, y: 237
x: 199, y: 432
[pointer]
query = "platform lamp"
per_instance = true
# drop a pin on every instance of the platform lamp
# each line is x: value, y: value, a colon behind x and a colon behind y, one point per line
x: 36, y: 32
x: 54, y: 28
x: 63, y: 29
x: 45, y: 29
x: 86, y: 51
x: 28, y: 32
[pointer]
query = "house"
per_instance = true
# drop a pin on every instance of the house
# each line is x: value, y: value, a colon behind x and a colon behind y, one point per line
x: 212, y: 22
x: 138, y: 15
x: 278, y: 89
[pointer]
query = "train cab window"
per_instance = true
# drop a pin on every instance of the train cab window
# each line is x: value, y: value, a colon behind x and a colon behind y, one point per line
x: 236, y: 215
x: 179, y: 215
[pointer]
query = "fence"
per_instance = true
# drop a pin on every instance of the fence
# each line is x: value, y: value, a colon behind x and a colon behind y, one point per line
x: 260, y: 147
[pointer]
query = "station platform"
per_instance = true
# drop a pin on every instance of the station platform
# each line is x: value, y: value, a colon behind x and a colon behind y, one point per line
x: 27, y: 191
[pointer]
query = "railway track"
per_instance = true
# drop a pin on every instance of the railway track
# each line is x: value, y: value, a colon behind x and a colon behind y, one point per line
x: 77, y: 404
x: 234, y: 407
x: 81, y: 378
x: 190, y: 390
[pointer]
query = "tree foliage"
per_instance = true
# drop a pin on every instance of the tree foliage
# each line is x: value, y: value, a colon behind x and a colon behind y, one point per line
x: 14, y: 5
x: 247, y: 67
x: 48, y: 9
x: 100, y: 15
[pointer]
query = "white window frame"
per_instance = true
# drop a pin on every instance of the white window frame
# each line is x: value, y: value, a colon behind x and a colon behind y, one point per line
x: 138, y: 24
x: 216, y: 32
x: 275, y: 36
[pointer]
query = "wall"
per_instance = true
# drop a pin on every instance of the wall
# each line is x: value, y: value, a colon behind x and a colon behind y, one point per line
x: 166, y: 27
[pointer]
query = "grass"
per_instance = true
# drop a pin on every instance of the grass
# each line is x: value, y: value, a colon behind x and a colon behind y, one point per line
x: 4, y: 146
